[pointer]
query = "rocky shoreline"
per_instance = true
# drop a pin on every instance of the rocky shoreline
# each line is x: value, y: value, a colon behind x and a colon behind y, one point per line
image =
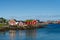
x: 4, y: 28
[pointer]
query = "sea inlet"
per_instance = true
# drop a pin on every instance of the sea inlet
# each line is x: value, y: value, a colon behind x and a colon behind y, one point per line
x: 51, y: 32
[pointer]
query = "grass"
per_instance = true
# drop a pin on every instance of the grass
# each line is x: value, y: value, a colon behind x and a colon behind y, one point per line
x: 2, y: 24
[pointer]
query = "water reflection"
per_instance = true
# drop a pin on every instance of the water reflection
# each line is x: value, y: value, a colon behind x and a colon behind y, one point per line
x: 2, y: 33
x: 43, y: 34
x: 22, y: 34
x: 30, y: 34
x: 12, y: 34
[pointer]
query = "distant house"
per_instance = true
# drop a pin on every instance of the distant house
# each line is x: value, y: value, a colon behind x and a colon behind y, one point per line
x: 20, y: 23
x: 12, y: 22
x: 58, y: 22
x: 33, y: 22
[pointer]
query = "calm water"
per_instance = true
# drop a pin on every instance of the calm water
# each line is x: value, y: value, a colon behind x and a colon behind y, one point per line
x: 52, y: 32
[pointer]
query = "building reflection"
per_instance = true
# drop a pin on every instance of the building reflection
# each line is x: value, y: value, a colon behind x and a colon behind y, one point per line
x: 2, y: 33
x: 12, y: 34
x: 22, y: 34
x: 30, y: 34
x: 27, y: 34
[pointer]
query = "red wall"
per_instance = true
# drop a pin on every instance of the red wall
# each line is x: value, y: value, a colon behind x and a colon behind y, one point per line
x: 32, y: 23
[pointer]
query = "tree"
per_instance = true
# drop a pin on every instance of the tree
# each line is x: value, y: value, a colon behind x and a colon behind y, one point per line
x: 3, y: 20
x: 28, y: 20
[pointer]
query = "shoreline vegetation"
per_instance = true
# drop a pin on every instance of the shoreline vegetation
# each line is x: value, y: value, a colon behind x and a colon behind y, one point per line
x: 14, y: 24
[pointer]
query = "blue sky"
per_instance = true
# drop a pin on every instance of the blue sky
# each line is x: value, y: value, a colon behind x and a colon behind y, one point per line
x: 30, y: 9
